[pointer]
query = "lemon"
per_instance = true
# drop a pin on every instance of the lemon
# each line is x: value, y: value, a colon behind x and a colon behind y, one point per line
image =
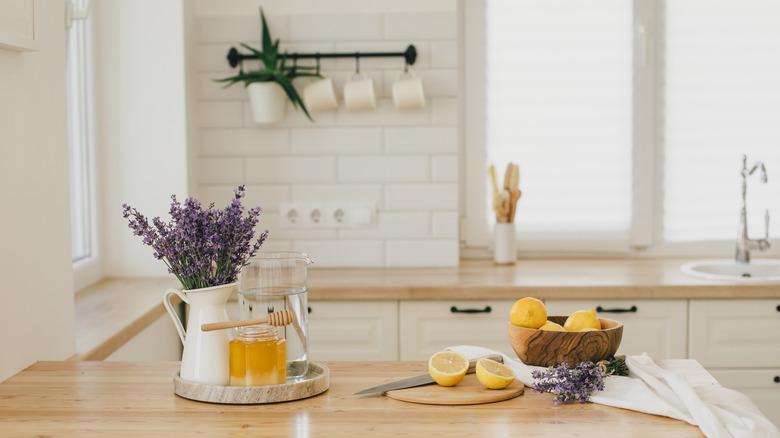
x: 582, y: 319
x: 589, y: 329
x: 494, y: 375
x: 447, y: 368
x: 528, y: 312
x: 553, y: 327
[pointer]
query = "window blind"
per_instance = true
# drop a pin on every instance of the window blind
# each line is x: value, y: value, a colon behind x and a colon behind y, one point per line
x: 558, y: 102
x: 721, y: 100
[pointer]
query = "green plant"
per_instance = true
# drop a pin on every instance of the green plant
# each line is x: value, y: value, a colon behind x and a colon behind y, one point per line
x: 274, y: 68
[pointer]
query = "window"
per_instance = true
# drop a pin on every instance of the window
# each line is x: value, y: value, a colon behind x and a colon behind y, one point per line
x: 628, y: 120
x: 80, y: 136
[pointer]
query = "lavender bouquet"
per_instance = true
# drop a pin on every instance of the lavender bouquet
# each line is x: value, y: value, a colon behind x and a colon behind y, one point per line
x: 202, y: 247
x: 570, y: 384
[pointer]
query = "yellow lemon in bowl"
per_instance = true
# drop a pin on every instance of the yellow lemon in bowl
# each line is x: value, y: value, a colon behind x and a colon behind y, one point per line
x: 494, y: 375
x: 553, y: 327
x: 582, y: 319
x: 447, y: 368
x: 528, y: 312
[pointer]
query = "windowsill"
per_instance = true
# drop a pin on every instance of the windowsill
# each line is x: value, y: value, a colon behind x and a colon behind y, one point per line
x: 113, y: 311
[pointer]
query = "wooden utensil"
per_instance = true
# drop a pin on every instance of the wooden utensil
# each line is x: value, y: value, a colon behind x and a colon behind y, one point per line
x: 547, y: 348
x: 280, y: 318
x: 468, y: 392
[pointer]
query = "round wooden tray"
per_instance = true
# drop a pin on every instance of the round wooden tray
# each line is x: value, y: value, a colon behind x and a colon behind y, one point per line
x: 316, y: 381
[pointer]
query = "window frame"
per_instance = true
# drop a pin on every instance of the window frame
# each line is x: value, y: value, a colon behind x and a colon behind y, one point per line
x: 645, y: 234
x: 86, y: 270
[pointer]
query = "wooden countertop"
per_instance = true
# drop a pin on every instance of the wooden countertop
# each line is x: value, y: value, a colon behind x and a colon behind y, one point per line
x: 549, y: 278
x: 62, y: 399
x: 111, y: 312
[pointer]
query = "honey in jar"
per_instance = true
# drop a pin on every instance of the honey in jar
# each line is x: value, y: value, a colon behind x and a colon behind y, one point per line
x: 258, y: 356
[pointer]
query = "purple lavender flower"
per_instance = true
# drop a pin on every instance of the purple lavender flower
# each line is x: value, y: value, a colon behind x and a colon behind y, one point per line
x: 570, y: 384
x: 202, y: 247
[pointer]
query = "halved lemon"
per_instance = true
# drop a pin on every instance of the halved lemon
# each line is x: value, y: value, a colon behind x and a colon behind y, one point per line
x: 447, y: 368
x: 494, y: 375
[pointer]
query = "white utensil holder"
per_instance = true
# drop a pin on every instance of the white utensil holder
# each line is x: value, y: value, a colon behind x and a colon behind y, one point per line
x: 504, y: 247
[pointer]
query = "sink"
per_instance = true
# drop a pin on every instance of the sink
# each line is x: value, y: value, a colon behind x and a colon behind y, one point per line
x: 762, y: 270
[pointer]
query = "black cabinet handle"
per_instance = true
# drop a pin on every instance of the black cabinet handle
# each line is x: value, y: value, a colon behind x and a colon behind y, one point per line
x: 632, y: 309
x: 778, y: 307
x: 777, y: 379
x: 308, y: 309
x: 487, y: 309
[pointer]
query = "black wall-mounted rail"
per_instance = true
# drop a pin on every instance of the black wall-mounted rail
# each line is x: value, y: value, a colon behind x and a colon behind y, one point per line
x: 234, y: 57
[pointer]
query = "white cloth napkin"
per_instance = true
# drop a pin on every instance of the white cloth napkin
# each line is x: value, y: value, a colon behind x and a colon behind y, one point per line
x: 650, y: 388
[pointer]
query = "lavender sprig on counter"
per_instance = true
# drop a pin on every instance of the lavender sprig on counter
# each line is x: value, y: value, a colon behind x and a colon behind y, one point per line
x: 570, y: 384
x: 202, y: 247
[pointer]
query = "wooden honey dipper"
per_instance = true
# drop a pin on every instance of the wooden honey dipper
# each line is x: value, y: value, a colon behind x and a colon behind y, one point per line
x: 280, y: 318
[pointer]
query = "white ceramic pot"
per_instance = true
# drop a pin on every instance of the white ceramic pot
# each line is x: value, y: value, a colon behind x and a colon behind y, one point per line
x: 504, y: 249
x: 268, y: 101
x: 206, y: 356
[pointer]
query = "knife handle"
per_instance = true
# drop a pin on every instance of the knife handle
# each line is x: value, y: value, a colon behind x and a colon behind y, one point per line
x: 473, y: 362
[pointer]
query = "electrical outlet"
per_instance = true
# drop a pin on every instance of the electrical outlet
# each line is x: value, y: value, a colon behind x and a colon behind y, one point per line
x: 327, y: 214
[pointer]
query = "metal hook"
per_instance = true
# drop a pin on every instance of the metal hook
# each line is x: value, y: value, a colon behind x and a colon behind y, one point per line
x: 357, y: 62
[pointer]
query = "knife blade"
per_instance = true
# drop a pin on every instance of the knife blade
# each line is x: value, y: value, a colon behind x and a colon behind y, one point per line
x: 421, y: 380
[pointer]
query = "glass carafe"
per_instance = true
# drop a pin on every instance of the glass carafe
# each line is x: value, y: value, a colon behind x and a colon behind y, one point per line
x: 275, y: 281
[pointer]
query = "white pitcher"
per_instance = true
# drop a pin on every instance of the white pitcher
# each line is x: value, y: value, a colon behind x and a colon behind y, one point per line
x: 206, y: 356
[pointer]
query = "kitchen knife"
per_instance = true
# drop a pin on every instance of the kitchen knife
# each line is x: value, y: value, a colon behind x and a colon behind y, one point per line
x: 421, y: 380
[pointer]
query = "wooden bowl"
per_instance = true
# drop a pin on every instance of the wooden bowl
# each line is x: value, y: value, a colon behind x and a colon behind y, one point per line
x: 548, y: 348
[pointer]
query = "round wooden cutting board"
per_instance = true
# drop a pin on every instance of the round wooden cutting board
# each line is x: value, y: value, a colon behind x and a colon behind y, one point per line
x: 468, y: 392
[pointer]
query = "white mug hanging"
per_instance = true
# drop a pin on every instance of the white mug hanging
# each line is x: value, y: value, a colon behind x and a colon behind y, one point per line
x: 320, y: 95
x: 408, y: 93
x: 359, y: 92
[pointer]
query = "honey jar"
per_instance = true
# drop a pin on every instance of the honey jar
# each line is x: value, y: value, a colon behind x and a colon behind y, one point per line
x: 258, y: 356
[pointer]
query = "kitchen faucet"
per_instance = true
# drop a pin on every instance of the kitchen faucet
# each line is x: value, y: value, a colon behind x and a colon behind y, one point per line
x: 744, y: 243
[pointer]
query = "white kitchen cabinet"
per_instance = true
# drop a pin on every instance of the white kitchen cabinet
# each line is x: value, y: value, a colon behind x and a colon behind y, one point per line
x: 761, y: 385
x: 735, y: 333
x: 158, y: 341
x: 658, y: 327
x: 353, y: 330
x: 430, y: 326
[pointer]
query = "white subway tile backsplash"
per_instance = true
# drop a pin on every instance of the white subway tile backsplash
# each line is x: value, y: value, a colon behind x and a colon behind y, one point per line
x: 445, y: 111
x: 444, y: 54
x: 220, y: 171
x: 268, y: 197
x: 343, y: 253
x: 392, y: 225
x: 444, y: 168
x: 445, y: 224
x: 384, y: 115
x: 336, y: 26
x: 379, y: 169
x: 208, y: 89
x: 220, y: 114
x: 404, y: 162
x: 243, y: 142
x: 422, y: 140
x: 236, y: 29
x: 428, y: 197
x: 338, y: 192
x: 426, y: 25
x: 414, y: 253
x: 337, y: 141
x: 290, y: 169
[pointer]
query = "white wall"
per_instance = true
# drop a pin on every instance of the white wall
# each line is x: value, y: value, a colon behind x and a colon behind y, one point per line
x: 406, y: 162
x: 36, y: 296
x: 141, y: 118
